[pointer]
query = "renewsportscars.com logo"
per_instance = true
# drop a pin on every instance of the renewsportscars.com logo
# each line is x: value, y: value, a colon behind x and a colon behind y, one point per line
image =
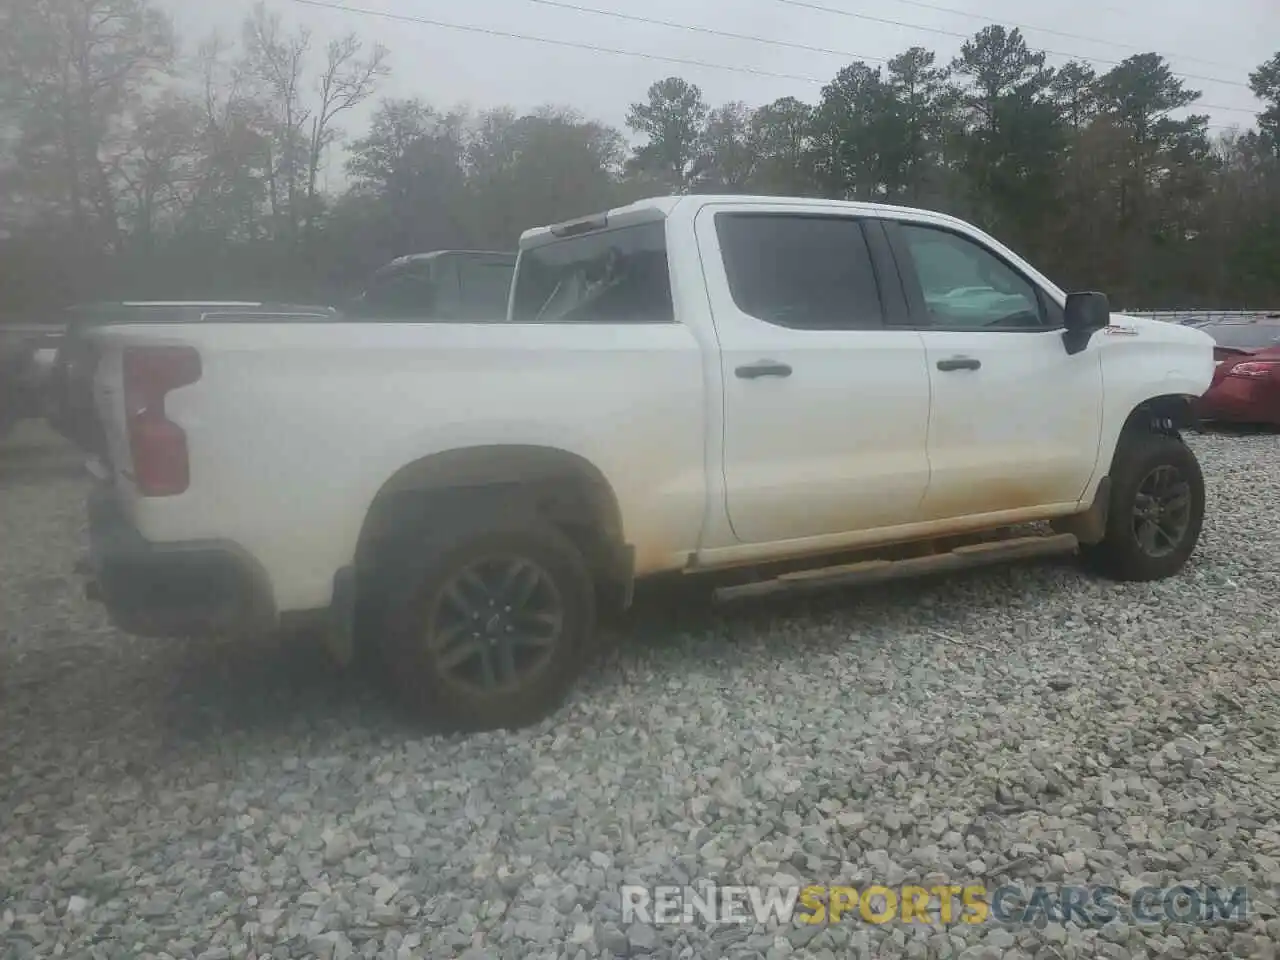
x: 1087, y: 906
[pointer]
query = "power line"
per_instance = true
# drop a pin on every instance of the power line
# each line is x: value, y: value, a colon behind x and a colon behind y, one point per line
x: 556, y: 41
x: 691, y: 28
x: 1253, y: 112
x: 808, y: 5
x: 708, y: 31
x: 1056, y: 33
x: 578, y: 45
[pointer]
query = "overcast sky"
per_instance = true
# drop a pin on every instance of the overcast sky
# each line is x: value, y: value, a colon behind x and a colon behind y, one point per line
x: 1223, y: 40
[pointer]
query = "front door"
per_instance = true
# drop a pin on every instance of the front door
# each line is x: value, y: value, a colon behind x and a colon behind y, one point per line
x: 1015, y: 420
x: 825, y: 409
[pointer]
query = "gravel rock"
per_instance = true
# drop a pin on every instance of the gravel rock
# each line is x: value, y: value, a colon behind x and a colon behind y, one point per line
x: 642, y: 937
x: 1028, y: 724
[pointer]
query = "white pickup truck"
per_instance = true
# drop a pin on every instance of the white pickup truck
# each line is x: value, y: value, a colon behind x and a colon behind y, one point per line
x: 775, y: 393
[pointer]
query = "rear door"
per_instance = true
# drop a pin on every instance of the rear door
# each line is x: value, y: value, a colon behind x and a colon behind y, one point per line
x: 825, y: 407
x: 1015, y: 420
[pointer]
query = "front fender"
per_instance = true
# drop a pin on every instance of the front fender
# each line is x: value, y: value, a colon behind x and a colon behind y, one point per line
x: 1152, y: 370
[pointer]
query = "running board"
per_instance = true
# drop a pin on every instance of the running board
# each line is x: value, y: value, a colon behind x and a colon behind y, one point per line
x: 877, y: 571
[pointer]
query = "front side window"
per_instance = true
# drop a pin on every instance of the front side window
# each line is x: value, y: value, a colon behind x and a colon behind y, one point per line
x: 613, y: 276
x: 966, y: 286
x: 802, y: 272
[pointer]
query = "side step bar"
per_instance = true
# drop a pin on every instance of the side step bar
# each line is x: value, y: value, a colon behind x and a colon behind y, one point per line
x: 878, y: 571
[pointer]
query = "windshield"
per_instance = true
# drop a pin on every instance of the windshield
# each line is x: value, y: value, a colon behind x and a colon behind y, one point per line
x: 1254, y: 335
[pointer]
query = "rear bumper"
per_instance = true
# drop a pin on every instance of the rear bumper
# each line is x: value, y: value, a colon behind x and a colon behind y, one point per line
x: 196, y: 589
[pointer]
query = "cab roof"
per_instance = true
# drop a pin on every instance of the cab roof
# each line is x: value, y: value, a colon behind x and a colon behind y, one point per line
x: 660, y: 208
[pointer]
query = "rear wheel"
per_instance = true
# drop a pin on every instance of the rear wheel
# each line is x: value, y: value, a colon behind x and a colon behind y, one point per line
x: 1156, y: 510
x: 487, y: 626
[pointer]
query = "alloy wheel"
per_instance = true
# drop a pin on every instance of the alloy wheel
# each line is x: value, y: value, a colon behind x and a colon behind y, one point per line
x: 496, y: 623
x: 1162, y: 511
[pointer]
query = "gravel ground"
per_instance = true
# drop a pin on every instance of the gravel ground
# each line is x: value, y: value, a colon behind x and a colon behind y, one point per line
x: 1026, y: 724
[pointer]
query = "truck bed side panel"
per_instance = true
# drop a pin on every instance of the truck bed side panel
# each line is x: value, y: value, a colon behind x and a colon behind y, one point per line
x: 293, y: 428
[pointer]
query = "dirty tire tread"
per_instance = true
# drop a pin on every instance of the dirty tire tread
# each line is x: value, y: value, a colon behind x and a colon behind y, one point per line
x: 423, y: 569
x: 1118, y: 556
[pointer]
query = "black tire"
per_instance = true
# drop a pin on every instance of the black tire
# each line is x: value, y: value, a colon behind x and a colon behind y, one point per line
x: 419, y: 593
x: 1144, y: 463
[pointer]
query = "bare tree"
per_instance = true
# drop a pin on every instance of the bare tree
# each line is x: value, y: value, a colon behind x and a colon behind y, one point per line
x: 161, y: 165
x: 276, y: 61
x: 73, y: 73
x: 303, y: 128
x: 237, y: 159
x: 348, y: 80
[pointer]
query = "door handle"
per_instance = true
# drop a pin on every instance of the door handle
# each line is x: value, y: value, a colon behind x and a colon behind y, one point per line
x: 959, y: 363
x: 763, y: 368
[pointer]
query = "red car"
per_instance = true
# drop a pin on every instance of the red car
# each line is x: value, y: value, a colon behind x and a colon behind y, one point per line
x: 1246, y: 383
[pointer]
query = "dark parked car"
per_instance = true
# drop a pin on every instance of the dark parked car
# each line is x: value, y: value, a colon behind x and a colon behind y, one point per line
x: 15, y: 363
x: 26, y: 360
x: 452, y: 285
x: 1246, y: 382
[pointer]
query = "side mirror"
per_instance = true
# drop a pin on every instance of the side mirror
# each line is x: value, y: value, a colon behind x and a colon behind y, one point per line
x: 1086, y: 312
x: 1084, y: 315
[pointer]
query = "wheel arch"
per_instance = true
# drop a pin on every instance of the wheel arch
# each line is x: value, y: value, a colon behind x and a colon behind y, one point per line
x: 562, y: 487
x: 1165, y: 413
x: 1120, y: 554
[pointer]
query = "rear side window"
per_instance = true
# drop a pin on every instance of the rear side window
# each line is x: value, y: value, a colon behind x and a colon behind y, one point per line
x: 614, y: 276
x: 407, y: 290
x: 803, y: 272
x: 486, y: 287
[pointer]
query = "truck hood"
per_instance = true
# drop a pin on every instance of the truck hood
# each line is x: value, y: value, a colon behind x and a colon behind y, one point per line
x: 1158, y: 331
x: 1176, y: 359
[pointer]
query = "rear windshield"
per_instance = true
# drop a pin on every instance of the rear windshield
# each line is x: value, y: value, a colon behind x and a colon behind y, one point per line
x: 614, y: 276
x: 1244, y: 336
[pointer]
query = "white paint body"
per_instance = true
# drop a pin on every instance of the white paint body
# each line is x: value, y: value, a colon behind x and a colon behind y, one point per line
x: 293, y: 428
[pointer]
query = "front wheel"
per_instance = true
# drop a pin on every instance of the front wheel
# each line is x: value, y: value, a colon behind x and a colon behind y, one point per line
x: 489, y: 626
x: 1155, y: 513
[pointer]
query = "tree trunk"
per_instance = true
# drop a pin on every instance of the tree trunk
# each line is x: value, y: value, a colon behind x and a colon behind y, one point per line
x: 313, y: 172
x: 273, y: 191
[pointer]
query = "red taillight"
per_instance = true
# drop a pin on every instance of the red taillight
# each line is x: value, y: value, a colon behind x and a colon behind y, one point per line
x: 158, y: 445
x: 1253, y: 369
